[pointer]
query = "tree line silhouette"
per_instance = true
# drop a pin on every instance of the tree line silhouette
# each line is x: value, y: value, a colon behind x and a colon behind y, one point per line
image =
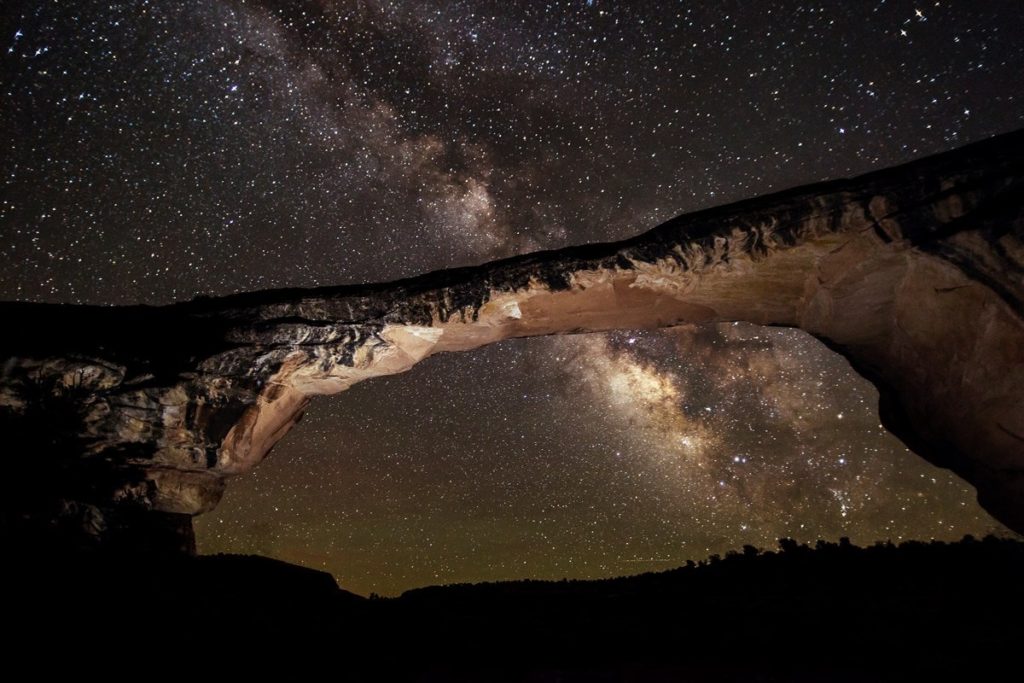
x: 831, y: 611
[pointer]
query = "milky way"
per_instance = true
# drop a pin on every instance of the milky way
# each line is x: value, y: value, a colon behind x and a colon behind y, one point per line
x: 158, y: 151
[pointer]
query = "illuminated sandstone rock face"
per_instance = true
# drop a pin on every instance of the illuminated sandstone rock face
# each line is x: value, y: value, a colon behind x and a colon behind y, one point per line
x: 123, y: 422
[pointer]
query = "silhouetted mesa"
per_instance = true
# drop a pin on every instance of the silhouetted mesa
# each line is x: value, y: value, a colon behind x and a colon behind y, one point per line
x: 121, y: 423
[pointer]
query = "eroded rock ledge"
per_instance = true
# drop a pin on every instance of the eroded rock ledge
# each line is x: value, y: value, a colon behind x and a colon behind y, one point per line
x: 121, y: 423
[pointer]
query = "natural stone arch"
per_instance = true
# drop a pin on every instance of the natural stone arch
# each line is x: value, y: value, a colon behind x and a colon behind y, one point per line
x: 128, y: 420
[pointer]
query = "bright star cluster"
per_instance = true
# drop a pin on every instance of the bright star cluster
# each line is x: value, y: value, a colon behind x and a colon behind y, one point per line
x: 155, y: 151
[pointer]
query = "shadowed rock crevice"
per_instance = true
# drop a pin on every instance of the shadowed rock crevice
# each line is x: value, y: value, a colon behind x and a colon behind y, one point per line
x: 915, y: 274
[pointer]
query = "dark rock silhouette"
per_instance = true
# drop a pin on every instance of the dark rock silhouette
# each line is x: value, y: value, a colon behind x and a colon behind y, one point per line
x: 918, y: 611
x: 121, y: 423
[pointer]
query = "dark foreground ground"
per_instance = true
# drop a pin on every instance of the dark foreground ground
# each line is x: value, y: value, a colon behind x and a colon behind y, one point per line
x: 920, y: 611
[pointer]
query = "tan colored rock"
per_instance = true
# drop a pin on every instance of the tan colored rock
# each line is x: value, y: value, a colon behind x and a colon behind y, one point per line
x: 915, y: 274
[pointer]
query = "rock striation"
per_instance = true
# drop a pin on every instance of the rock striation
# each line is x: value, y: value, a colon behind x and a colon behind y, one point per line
x: 121, y: 423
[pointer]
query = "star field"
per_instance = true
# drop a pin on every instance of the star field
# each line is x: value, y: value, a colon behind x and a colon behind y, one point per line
x: 158, y: 151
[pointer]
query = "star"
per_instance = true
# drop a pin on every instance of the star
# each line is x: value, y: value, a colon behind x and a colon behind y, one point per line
x: 211, y: 147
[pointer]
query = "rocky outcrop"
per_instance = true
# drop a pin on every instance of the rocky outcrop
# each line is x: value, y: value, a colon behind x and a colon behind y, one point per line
x: 121, y: 423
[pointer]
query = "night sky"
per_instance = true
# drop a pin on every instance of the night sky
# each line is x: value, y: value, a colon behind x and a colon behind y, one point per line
x: 155, y: 151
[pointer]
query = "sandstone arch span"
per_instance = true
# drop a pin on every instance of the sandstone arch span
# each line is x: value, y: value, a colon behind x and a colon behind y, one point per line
x: 125, y: 422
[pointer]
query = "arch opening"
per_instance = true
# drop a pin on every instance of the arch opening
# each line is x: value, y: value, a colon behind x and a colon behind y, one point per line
x: 588, y: 456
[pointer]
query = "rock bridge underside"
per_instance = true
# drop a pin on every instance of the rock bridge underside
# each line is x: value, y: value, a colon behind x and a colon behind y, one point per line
x: 121, y: 423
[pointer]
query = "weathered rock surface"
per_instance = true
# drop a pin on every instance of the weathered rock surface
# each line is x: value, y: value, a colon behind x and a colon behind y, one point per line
x: 121, y: 423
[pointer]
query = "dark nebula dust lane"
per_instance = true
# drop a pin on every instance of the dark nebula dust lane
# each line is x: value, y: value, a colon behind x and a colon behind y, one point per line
x: 154, y: 152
